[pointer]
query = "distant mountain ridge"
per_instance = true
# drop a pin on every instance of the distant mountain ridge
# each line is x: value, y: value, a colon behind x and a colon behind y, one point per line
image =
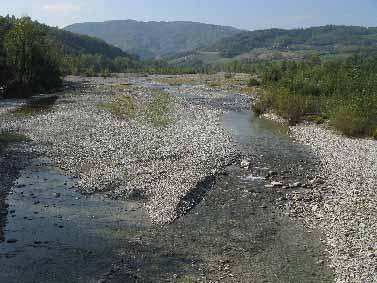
x: 330, y: 38
x: 154, y: 39
x: 268, y: 45
x: 76, y: 44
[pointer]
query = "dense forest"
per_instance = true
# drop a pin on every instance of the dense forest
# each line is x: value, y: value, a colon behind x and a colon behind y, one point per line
x: 341, y: 91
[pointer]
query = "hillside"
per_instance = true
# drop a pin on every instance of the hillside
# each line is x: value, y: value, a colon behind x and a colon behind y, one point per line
x: 154, y: 39
x: 75, y: 44
x: 332, y: 39
x: 279, y: 44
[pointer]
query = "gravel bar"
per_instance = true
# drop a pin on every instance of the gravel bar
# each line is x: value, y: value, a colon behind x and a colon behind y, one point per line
x: 131, y: 158
x: 347, y: 211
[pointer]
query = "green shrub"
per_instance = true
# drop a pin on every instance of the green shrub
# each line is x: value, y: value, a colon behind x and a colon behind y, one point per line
x: 351, y: 121
x: 316, y: 119
x: 263, y: 102
x: 253, y: 82
x: 289, y: 106
x: 375, y: 134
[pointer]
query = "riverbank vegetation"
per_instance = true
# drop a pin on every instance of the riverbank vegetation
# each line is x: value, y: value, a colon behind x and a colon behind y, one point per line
x: 34, y: 57
x: 28, y: 61
x: 341, y: 91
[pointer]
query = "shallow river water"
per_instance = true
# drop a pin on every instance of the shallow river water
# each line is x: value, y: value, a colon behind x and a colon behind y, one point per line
x: 53, y: 234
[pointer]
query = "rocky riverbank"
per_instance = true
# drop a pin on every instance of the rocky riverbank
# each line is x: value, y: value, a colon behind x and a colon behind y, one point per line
x: 344, y: 207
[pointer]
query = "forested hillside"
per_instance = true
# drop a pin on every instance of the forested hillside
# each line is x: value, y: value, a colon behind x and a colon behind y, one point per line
x: 154, y: 39
x: 75, y: 44
x: 333, y: 39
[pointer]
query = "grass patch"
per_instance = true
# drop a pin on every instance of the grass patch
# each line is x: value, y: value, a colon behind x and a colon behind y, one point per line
x: 181, y: 80
x: 220, y: 80
x: 122, y: 107
x: 155, y: 110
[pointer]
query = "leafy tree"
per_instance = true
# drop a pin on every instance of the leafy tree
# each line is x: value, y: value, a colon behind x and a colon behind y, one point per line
x: 4, y: 69
x: 19, y: 44
x: 32, y: 61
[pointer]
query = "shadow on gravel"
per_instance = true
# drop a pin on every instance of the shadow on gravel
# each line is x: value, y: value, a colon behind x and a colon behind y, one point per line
x: 37, y: 106
x: 195, y: 195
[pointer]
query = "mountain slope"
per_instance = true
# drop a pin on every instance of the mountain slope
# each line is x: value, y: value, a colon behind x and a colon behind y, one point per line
x: 75, y: 44
x: 154, y: 39
x: 323, y: 39
x: 279, y: 44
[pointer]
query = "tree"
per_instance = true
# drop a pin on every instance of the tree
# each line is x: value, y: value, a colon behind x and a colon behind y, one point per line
x: 4, y: 69
x: 32, y: 59
x: 19, y: 43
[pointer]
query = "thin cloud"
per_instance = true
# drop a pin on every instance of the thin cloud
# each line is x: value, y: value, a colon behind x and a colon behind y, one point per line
x: 62, y: 8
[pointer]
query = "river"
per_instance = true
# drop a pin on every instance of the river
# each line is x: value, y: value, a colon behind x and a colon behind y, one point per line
x: 51, y: 233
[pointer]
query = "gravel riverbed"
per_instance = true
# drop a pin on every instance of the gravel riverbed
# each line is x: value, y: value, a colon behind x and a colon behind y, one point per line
x: 170, y: 168
x: 121, y: 157
x: 345, y: 207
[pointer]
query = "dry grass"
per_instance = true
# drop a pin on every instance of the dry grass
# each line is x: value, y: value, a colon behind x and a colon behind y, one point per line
x: 215, y: 81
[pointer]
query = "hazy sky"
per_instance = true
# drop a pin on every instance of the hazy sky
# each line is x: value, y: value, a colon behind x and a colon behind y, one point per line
x: 246, y: 14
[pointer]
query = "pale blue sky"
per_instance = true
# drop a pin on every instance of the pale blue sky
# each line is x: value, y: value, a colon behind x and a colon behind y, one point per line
x: 246, y: 14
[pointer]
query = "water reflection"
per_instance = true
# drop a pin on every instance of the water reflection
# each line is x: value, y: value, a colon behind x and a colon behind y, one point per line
x: 3, y: 217
x: 60, y: 235
x: 37, y: 105
x: 245, y: 127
